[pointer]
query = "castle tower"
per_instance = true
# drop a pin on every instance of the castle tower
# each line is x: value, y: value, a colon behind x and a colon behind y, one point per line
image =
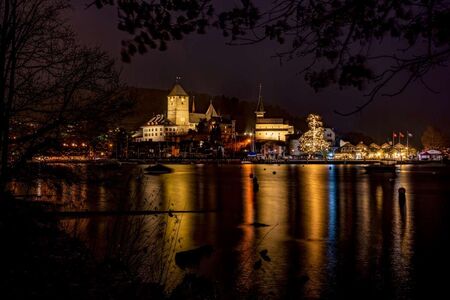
x: 260, y: 106
x: 178, y: 107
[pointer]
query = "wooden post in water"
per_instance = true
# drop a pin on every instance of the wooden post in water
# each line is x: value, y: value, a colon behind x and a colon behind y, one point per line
x: 402, y: 196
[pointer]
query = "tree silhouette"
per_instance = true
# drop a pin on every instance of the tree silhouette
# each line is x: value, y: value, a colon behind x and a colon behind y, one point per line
x: 152, y: 24
x: 381, y: 46
x: 433, y: 138
x: 48, y: 82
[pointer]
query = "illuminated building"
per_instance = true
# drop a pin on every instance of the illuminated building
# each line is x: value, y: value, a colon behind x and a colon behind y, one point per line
x: 158, y: 128
x: 270, y: 129
x: 179, y: 120
x: 330, y: 136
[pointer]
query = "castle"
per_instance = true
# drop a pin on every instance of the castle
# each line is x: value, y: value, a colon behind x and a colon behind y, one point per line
x: 178, y: 121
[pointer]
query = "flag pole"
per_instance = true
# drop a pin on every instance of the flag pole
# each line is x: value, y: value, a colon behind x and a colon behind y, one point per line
x: 393, y: 141
x: 407, y: 144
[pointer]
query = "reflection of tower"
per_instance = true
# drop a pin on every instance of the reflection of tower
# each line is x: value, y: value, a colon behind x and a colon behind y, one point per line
x: 178, y: 107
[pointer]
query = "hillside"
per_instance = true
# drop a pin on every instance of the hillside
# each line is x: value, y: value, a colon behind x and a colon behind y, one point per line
x: 150, y: 102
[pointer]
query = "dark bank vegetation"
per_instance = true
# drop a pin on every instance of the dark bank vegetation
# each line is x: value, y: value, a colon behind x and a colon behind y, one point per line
x: 38, y: 260
x: 131, y: 258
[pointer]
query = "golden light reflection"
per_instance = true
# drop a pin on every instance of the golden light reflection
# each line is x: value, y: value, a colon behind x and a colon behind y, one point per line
x: 267, y: 205
x: 379, y: 199
x: 174, y: 232
x: 248, y: 231
x: 271, y: 198
x: 248, y: 197
x: 315, y: 199
x: 178, y: 190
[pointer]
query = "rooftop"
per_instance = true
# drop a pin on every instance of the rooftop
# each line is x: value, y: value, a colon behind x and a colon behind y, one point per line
x: 177, y: 90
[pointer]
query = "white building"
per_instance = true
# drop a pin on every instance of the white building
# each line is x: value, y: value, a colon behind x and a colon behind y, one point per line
x: 431, y: 155
x: 272, y: 129
x: 330, y: 136
x: 158, y: 129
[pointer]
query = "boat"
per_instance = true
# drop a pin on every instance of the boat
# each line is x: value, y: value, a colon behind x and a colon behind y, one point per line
x: 157, y: 169
x: 381, y: 168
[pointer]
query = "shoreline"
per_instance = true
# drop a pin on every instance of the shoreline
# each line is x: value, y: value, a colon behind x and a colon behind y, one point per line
x: 234, y: 161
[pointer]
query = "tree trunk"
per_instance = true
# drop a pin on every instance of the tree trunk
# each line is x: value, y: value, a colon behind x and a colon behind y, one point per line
x: 4, y: 122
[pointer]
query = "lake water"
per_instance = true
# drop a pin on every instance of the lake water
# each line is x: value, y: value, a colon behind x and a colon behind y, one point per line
x: 332, y: 231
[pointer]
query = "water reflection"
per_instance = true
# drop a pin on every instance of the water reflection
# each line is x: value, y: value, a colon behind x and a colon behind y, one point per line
x: 333, y: 231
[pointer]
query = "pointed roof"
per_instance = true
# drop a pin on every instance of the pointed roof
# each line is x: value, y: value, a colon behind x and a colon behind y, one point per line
x: 399, y: 146
x: 211, y: 112
x: 193, y: 104
x: 374, y: 145
x: 158, y: 120
x: 385, y: 146
x: 347, y: 144
x: 177, y: 90
x: 361, y: 145
x: 260, y: 105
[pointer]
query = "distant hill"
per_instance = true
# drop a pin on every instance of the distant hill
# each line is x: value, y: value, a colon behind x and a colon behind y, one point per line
x: 150, y: 102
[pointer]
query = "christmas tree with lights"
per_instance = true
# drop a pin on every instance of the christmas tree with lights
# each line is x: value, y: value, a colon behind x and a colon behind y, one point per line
x: 313, y: 140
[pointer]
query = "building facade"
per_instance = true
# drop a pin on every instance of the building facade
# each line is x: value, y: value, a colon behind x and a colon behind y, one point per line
x: 178, y: 108
x: 330, y: 136
x: 270, y: 129
x: 179, y: 120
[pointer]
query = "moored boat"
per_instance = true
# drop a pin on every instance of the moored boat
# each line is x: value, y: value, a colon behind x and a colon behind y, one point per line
x: 158, y: 169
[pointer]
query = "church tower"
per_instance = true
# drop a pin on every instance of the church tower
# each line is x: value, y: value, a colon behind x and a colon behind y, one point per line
x: 178, y: 107
x: 260, y: 106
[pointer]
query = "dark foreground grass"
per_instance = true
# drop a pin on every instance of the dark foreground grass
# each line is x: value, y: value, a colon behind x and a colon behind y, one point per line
x: 39, y: 260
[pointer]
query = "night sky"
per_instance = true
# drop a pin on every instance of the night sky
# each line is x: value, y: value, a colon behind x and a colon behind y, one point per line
x: 207, y: 65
